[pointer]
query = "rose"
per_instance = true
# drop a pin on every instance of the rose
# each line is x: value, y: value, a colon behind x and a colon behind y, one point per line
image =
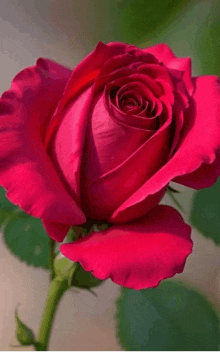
x: 103, y: 143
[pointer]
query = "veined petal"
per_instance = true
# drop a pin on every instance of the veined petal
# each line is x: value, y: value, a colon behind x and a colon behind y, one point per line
x: 164, y: 54
x: 26, y: 170
x: 196, y: 161
x: 136, y: 255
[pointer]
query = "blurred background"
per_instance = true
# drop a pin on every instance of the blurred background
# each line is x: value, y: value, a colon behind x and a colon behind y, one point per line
x: 66, y: 31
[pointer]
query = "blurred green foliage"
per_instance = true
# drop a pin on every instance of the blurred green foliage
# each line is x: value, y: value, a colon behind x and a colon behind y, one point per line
x: 129, y: 20
x: 205, y: 212
x: 171, y: 317
x: 24, y: 235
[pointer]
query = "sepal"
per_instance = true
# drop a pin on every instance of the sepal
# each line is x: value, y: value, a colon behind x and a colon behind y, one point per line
x: 74, y: 273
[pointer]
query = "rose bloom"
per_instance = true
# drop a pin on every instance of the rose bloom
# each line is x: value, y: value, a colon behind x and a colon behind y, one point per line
x: 102, y: 142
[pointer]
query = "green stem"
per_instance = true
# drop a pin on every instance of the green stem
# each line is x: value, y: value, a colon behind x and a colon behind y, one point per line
x: 57, y: 288
x: 51, y: 258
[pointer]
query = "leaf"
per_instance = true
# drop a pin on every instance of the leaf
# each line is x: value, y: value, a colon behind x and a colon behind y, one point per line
x: 205, y: 212
x: 170, y: 317
x: 6, y: 207
x: 26, y: 238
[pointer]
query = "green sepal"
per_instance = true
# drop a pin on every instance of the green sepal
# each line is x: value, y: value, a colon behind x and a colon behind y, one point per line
x: 84, y: 279
x: 93, y: 226
x: 170, y: 192
x: 173, y: 189
x: 75, y: 274
x: 23, y: 333
x: 64, y: 268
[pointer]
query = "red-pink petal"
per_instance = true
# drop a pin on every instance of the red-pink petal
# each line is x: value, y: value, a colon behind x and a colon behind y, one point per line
x: 136, y: 255
x: 196, y: 161
x: 164, y: 54
x: 26, y: 170
x: 82, y: 77
x: 103, y: 194
x: 69, y: 122
x: 56, y: 231
x: 68, y: 143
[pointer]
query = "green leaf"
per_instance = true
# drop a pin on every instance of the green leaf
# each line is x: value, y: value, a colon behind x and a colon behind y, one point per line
x: 26, y: 238
x: 24, y: 334
x: 205, y: 212
x: 6, y: 207
x: 170, y: 317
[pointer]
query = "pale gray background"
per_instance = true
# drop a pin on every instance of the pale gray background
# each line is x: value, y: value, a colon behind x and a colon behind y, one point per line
x: 63, y: 30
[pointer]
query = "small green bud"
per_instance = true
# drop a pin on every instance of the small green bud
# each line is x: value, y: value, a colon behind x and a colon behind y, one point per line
x: 63, y: 266
x: 24, y: 335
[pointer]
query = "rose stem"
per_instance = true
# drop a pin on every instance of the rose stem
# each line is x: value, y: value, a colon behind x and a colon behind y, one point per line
x: 51, y: 258
x: 57, y: 288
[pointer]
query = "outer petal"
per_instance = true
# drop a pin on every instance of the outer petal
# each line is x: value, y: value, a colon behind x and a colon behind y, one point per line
x: 164, y: 54
x: 137, y: 255
x: 26, y: 171
x: 204, y: 138
x: 196, y: 161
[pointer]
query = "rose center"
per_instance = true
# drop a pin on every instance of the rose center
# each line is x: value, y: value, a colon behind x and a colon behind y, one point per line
x: 128, y: 103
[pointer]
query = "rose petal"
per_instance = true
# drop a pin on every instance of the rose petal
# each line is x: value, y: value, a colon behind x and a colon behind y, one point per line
x: 194, y: 153
x: 185, y: 65
x: 164, y: 54
x: 138, y: 255
x: 104, y: 138
x: 156, y: 72
x: 82, y: 77
x: 68, y: 145
x: 105, y: 193
x: 207, y: 124
x: 56, y: 231
x: 149, y: 124
x: 26, y: 170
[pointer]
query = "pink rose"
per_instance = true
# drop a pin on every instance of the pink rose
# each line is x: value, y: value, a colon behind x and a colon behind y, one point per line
x: 103, y: 142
